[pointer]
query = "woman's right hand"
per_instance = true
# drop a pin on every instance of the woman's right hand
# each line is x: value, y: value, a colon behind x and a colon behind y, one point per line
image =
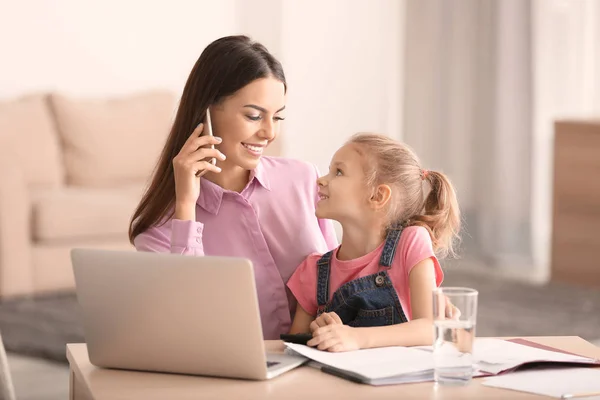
x: 189, y: 165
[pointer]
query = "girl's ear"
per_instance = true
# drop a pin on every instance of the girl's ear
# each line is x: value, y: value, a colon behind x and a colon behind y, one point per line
x: 380, y: 196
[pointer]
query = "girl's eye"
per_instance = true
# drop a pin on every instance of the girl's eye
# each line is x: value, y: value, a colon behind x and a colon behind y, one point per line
x: 338, y: 172
x: 278, y: 118
x: 253, y: 117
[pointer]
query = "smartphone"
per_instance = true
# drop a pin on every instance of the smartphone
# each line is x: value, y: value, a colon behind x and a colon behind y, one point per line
x: 209, y: 131
x: 298, y: 338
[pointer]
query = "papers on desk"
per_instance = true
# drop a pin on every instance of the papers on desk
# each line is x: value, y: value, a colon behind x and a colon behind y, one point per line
x: 555, y: 382
x: 393, y: 365
x: 381, y: 366
x: 494, y: 356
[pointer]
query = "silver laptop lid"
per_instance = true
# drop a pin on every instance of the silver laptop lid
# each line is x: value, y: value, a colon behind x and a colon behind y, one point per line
x: 170, y: 313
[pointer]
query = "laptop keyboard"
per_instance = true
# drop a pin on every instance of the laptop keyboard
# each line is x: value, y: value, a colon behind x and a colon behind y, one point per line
x: 272, y: 363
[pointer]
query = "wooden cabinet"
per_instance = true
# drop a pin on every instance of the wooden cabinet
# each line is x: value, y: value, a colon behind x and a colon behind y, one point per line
x: 576, y: 203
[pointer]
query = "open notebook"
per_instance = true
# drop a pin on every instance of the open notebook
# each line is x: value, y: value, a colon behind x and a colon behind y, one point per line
x: 494, y: 356
x: 394, y: 365
x: 381, y: 366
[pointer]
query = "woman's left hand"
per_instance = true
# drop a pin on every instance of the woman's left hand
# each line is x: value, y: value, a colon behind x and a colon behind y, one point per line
x: 336, y: 338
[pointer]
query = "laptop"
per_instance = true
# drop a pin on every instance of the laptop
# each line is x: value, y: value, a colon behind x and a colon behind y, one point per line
x: 173, y: 313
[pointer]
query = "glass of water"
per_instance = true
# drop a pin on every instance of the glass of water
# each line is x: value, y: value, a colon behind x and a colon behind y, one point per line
x: 454, y: 334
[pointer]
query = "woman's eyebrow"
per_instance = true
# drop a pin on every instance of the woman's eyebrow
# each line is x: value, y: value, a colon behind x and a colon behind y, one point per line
x: 264, y: 110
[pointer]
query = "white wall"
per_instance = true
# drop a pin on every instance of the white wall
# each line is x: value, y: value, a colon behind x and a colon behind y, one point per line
x: 342, y: 58
x: 105, y: 47
x: 344, y: 63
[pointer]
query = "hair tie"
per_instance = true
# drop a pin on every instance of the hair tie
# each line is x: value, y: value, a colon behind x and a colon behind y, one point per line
x: 424, y: 174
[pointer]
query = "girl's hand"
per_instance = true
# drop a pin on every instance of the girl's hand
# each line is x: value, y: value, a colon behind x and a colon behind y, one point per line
x: 452, y: 312
x: 336, y: 338
x: 324, y: 320
x: 189, y: 165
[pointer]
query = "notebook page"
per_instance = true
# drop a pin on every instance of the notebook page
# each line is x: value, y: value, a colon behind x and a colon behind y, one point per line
x: 553, y: 382
x: 496, y: 355
x: 376, y: 363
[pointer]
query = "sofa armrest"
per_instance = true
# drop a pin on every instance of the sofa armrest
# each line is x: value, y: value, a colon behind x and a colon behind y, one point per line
x: 16, y: 275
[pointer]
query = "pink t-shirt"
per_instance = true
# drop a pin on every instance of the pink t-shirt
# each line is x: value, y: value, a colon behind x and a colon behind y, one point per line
x: 414, y: 246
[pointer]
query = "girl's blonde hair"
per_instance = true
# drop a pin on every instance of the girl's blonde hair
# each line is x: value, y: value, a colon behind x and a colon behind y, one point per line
x: 392, y: 163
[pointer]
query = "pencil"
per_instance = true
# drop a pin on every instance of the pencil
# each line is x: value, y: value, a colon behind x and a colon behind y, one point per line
x: 577, y: 395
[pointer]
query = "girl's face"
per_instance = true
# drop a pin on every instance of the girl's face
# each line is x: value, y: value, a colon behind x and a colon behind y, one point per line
x: 248, y: 121
x: 343, y: 192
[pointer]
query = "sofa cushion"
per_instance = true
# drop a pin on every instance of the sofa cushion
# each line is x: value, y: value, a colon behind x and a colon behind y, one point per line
x: 113, y: 141
x: 79, y: 213
x: 27, y: 130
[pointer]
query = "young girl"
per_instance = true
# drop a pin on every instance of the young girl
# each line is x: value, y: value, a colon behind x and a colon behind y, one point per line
x: 375, y: 289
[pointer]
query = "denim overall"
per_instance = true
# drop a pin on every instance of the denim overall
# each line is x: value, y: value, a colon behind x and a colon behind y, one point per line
x: 367, y: 301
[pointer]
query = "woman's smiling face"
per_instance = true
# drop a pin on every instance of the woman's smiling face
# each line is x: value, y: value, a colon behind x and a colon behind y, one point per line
x: 248, y: 121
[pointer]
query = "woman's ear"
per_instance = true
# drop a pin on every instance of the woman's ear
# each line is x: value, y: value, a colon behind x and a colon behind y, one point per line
x: 380, y: 197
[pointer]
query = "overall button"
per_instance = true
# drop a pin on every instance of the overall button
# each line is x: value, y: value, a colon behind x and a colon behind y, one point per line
x: 379, y: 281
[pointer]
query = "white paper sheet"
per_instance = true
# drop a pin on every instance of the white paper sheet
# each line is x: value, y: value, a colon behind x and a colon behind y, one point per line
x: 388, y: 365
x: 373, y: 364
x: 495, y: 355
x: 553, y: 382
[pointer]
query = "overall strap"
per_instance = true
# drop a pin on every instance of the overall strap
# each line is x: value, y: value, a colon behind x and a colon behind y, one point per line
x: 323, y: 268
x: 390, y: 246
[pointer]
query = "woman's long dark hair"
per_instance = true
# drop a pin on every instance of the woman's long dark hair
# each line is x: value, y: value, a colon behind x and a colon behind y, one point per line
x: 224, y: 67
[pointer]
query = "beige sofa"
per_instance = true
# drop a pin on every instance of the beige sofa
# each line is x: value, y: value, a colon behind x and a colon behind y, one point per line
x: 71, y: 173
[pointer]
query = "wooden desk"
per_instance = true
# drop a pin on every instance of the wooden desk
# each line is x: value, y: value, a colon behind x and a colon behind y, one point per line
x: 305, y: 383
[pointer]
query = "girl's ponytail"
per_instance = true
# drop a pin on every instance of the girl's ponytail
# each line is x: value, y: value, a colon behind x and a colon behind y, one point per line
x: 441, y: 215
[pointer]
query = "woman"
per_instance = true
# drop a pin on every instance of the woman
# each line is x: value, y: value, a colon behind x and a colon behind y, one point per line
x: 246, y: 205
